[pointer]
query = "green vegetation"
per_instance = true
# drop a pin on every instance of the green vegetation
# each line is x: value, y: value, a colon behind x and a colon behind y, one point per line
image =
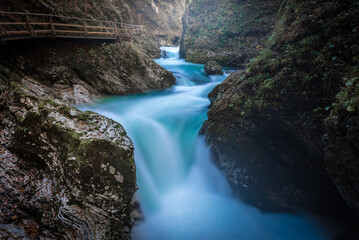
x: 227, y: 28
x: 310, y: 58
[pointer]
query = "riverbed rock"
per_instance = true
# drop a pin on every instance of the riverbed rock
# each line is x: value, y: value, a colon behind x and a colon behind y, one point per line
x: 213, y: 68
x: 64, y: 173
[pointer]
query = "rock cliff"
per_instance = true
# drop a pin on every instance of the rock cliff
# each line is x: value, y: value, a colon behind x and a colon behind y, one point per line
x: 65, y: 173
x: 80, y: 70
x: 285, y: 130
x: 230, y: 32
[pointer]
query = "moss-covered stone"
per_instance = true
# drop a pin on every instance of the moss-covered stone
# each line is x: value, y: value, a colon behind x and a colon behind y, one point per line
x: 81, y: 166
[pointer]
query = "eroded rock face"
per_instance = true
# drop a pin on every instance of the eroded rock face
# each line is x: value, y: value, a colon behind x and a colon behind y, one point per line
x: 285, y: 130
x: 78, y: 71
x: 342, y: 156
x: 213, y: 68
x: 230, y: 32
x: 64, y: 173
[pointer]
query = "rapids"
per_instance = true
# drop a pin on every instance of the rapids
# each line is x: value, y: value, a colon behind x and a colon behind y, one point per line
x: 182, y: 193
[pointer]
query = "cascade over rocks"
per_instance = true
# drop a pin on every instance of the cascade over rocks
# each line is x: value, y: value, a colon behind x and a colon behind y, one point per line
x: 65, y: 173
x: 81, y: 165
x: 213, y: 68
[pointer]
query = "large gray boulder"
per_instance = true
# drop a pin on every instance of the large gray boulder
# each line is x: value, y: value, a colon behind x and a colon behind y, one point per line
x: 213, y: 68
x: 63, y: 172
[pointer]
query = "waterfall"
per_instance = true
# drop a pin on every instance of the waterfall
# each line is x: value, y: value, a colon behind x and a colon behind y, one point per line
x: 182, y: 193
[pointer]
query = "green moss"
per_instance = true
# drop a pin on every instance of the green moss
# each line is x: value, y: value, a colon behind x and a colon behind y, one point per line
x: 225, y: 26
x: 304, y: 64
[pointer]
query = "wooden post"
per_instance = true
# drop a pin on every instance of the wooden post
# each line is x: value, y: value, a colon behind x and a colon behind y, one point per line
x: 116, y: 32
x: 29, y: 28
x: 131, y: 34
x: 126, y: 32
x: 52, y: 27
x: 3, y: 31
x: 85, y: 29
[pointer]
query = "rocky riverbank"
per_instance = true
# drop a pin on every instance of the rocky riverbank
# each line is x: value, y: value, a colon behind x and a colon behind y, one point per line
x: 65, y: 173
x: 284, y: 130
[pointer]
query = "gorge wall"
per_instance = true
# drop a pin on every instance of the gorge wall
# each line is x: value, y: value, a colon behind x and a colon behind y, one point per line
x: 285, y: 130
x: 230, y: 32
x: 65, y: 173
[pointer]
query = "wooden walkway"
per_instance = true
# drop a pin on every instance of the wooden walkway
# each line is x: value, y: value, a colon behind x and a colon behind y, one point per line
x: 18, y: 25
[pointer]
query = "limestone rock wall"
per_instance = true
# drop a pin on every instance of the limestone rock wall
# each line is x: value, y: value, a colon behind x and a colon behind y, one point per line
x: 77, y: 71
x: 285, y: 129
x: 230, y: 32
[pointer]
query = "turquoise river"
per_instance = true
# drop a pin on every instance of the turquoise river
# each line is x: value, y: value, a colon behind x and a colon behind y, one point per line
x: 183, y: 195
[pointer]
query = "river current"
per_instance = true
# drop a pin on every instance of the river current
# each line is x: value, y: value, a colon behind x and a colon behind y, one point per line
x: 182, y: 193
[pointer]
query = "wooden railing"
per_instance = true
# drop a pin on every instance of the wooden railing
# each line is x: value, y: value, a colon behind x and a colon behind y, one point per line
x: 18, y: 25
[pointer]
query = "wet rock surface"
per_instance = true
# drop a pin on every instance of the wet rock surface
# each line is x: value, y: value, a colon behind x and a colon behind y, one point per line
x: 78, y: 71
x: 284, y: 130
x: 64, y: 173
x: 213, y: 68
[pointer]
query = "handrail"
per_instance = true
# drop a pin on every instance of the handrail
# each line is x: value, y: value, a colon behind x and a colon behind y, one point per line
x: 67, y: 17
x: 24, y: 28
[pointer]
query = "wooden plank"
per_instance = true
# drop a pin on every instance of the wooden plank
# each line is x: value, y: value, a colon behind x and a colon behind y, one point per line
x: 82, y: 32
x: 40, y: 23
x: 17, y: 32
x: 68, y: 25
x: 42, y: 31
x: 13, y: 23
x: 81, y: 26
x: 112, y: 38
x: 104, y: 33
x: 100, y: 27
x: 70, y: 31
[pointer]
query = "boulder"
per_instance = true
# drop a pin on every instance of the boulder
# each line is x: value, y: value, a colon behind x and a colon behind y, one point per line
x: 65, y: 168
x: 213, y: 68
